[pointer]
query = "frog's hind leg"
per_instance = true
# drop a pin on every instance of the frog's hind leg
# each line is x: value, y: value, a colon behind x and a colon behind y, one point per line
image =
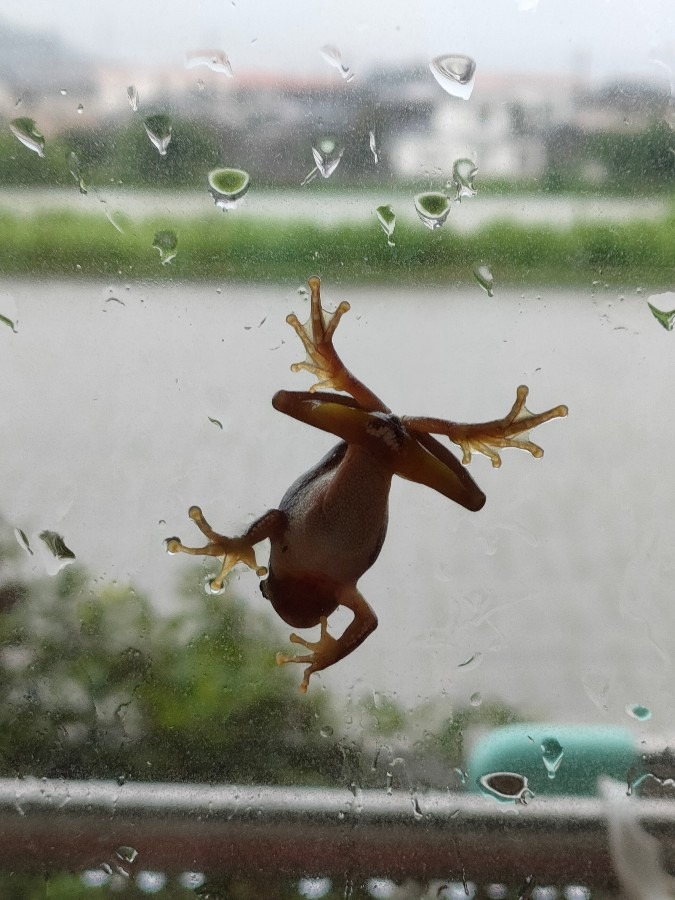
x: 489, y: 438
x: 232, y: 549
x: 322, y: 359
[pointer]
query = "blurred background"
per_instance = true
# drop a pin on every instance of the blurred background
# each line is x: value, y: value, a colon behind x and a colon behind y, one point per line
x: 490, y: 185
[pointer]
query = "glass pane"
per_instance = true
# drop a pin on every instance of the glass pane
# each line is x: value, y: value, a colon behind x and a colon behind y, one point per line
x: 489, y: 187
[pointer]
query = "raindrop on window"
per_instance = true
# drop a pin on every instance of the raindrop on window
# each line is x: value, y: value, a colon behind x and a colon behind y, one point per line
x: 75, y: 170
x: 433, y: 208
x: 483, y: 276
x: 166, y: 243
x: 26, y: 131
x: 132, y: 97
x: 215, y: 60
x: 455, y: 73
x: 334, y: 58
x: 63, y: 92
x: 373, y: 146
x: 327, y: 155
x: 664, y: 318
x: 387, y: 219
x: 639, y: 712
x: 158, y: 128
x: 57, y: 546
x: 463, y: 173
x: 507, y: 787
x: 5, y: 320
x: 476, y: 699
x: 228, y: 186
x: 552, y: 754
x: 80, y: 109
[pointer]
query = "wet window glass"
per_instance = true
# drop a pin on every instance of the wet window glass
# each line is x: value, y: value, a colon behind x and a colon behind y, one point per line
x: 336, y: 346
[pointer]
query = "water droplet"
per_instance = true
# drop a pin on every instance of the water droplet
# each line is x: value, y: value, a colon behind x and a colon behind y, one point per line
x: 25, y: 130
x: 166, y: 243
x: 132, y: 97
x: 4, y: 320
x: 667, y: 319
x: 387, y: 219
x: 472, y: 662
x: 507, y: 787
x: 314, y: 887
x: 463, y: 173
x: 326, y: 731
x: 476, y: 699
x: 216, y: 422
x: 552, y: 754
x: 56, y: 545
x: 22, y: 539
x: 215, y: 60
x: 334, y: 58
x: 455, y: 73
x: 63, y: 92
x: 158, y: 128
x: 75, y: 170
x: 80, y: 109
x: 433, y: 208
x: 373, y: 146
x: 327, y: 155
x: 417, y: 812
x: 483, y: 276
x: 639, y: 712
x: 228, y: 186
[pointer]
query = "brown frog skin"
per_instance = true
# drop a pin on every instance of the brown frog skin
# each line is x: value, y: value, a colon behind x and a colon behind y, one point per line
x: 331, y: 523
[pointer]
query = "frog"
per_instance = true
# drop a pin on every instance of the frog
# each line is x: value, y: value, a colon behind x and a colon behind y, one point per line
x: 331, y: 523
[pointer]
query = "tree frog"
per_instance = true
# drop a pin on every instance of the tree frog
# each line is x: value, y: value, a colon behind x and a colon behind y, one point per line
x: 331, y: 523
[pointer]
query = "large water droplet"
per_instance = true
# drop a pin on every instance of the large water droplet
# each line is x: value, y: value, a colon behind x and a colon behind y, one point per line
x: 158, y: 128
x: 5, y: 320
x: 25, y: 130
x: 215, y: 60
x: 507, y: 787
x: 334, y: 58
x: 327, y: 155
x: 75, y: 170
x: 483, y: 276
x: 373, y: 146
x: 387, y: 219
x: 228, y: 186
x: 639, y: 712
x: 23, y: 541
x: 132, y: 97
x: 463, y: 173
x: 433, y: 208
x: 166, y: 243
x: 552, y: 754
x: 455, y: 73
x: 667, y: 319
x: 56, y: 545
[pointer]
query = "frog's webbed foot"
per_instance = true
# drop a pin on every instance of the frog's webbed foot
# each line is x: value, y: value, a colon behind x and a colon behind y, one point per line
x: 233, y: 549
x: 324, y: 653
x: 329, y: 650
x: 322, y: 359
x: 489, y: 438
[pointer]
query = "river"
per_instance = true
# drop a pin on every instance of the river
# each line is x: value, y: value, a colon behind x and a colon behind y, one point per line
x: 560, y: 591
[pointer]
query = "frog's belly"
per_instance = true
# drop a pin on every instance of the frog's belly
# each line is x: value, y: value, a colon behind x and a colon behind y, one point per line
x: 337, y: 521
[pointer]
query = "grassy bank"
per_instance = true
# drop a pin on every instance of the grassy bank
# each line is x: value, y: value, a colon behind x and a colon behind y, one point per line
x: 232, y: 247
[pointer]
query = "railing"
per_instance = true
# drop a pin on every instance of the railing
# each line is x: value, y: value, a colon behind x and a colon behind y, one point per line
x: 48, y: 825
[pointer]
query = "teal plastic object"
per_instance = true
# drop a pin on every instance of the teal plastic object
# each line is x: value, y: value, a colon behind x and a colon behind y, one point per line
x: 533, y: 750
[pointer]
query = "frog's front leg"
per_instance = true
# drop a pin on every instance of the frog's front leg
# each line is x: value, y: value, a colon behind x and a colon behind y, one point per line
x: 489, y: 438
x: 322, y: 358
x: 232, y: 549
x: 328, y: 650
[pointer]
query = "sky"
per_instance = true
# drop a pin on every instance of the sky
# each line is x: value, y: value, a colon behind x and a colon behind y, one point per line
x: 606, y: 37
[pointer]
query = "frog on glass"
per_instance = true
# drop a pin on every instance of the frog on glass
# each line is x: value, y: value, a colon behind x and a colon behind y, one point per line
x: 331, y: 523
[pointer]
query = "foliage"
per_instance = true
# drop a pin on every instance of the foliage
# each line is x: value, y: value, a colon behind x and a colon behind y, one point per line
x: 94, y: 684
x: 236, y: 248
